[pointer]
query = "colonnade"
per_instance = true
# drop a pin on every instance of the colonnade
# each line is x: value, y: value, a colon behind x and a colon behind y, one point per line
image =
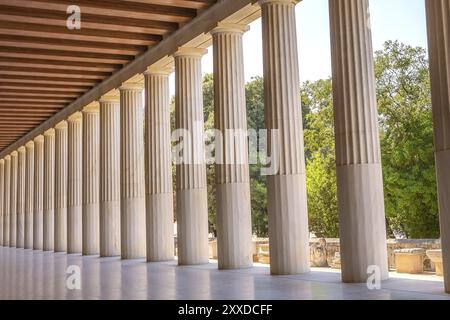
x: 100, y: 182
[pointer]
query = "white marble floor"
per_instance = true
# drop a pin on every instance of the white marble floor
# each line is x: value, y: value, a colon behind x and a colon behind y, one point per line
x: 26, y: 274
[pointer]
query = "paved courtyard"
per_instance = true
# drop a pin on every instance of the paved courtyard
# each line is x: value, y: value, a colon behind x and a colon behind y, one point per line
x: 26, y: 274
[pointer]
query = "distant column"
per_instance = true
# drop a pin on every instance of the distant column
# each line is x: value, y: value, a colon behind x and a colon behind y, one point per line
x: 110, y: 175
x: 61, y: 157
x: 191, y: 193
x: 358, y: 161
x: 2, y: 197
x: 13, y: 199
x: 6, y: 200
x: 74, y: 183
x: 234, y: 223
x: 438, y: 21
x: 91, y: 182
x: 158, y: 165
x: 49, y: 190
x: 286, y: 180
x: 21, y: 172
x: 38, y: 215
x: 29, y: 195
x: 132, y: 171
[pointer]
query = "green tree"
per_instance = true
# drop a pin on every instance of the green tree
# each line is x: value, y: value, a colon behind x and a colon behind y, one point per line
x: 404, y: 106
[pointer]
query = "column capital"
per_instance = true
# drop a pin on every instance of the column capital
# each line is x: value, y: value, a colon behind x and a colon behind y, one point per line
x: 2, y: 161
x: 49, y: 133
x: 132, y: 86
x: 76, y: 117
x: 111, y: 96
x: 190, y: 52
x: 289, y: 2
x: 92, y: 107
x: 21, y: 149
x: 61, y: 125
x: 224, y: 27
x: 158, y: 70
x: 14, y: 154
x: 29, y: 144
x: 8, y: 157
x: 39, y: 138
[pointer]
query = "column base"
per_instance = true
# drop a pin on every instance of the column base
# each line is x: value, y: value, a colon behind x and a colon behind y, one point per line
x: 133, y: 228
x: 192, y: 224
x: 443, y: 182
x: 362, y: 221
x: 61, y: 230
x: 110, y: 229
x: 288, y: 224
x: 49, y: 229
x: 234, y: 226
x: 74, y: 230
x: 91, y: 229
x: 160, y: 240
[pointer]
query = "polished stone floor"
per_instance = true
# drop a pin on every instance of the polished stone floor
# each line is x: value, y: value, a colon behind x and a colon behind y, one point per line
x: 26, y: 274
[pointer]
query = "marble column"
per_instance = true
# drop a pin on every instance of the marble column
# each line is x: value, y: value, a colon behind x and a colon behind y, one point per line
x: 21, y: 172
x: 38, y: 210
x: 133, y: 244
x: 191, y: 192
x: 438, y: 23
x: 110, y: 175
x: 2, y: 197
x: 29, y: 195
x: 49, y: 190
x: 61, y: 157
x: 286, y: 180
x: 358, y: 160
x: 74, y: 183
x: 91, y: 180
x: 13, y: 199
x: 6, y: 200
x: 158, y: 166
x: 234, y: 223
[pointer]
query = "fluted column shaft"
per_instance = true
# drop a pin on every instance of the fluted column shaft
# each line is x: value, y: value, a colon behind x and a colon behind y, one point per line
x: 110, y: 176
x: 191, y: 193
x: 234, y: 224
x: 13, y: 199
x: 6, y: 200
x: 74, y: 184
x: 358, y: 160
x: 49, y: 190
x: 286, y: 182
x: 158, y: 166
x: 29, y: 195
x: 38, y: 215
x: 21, y: 172
x: 61, y: 167
x: 2, y: 197
x: 91, y: 182
x: 132, y: 168
x: 438, y: 22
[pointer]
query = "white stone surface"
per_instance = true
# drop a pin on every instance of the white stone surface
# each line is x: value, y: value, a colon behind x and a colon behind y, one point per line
x: 158, y: 166
x: 133, y: 242
x: 286, y: 188
x: 91, y: 179
x: 358, y: 161
x: 74, y: 183
x: 438, y: 22
x: 110, y: 175
x: 191, y: 192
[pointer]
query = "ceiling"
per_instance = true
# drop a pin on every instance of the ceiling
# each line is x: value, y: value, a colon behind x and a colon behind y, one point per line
x: 44, y: 66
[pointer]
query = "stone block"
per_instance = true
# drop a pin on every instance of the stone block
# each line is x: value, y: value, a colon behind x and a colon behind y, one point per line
x: 409, y: 260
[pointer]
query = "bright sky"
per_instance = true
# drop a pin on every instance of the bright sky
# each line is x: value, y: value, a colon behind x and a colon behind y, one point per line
x: 402, y: 20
